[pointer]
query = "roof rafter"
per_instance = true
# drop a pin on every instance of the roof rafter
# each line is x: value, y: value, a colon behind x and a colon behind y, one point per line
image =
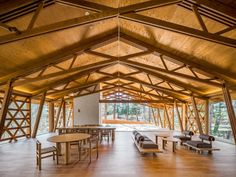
x: 64, y: 54
x: 210, y: 70
x: 153, y: 22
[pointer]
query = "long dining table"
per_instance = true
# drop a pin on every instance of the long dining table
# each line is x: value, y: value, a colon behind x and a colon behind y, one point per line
x: 67, y: 139
x: 62, y: 130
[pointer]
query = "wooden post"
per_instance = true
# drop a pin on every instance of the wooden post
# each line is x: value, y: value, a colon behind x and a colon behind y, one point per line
x: 29, y: 107
x: 173, y: 118
x: 58, y: 115
x: 167, y: 117
x: 64, y: 114
x: 197, y: 117
x: 5, y: 104
x: 207, y: 117
x: 40, y: 110
x: 184, y: 115
x: 73, y: 119
x: 178, y: 115
x: 51, y: 116
x: 230, y: 109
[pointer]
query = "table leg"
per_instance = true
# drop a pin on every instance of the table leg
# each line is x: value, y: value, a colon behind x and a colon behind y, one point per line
x: 163, y: 144
x: 67, y: 153
x: 173, y: 147
x: 156, y: 139
x: 58, y: 145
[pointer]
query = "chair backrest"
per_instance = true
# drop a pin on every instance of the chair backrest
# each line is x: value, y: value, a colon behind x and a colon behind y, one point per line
x: 207, y: 137
x: 188, y: 133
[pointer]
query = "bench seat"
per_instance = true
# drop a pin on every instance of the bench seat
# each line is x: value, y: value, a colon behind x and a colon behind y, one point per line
x: 199, y: 144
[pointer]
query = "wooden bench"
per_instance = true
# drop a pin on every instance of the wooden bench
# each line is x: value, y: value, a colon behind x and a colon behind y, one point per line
x: 201, y: 146
x: 145, y: 150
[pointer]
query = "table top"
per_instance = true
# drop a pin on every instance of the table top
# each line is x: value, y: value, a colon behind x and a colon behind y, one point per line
x: 68, y: 137
x: 172, y: 139
x: 88, y: 127
x: 162, y: 134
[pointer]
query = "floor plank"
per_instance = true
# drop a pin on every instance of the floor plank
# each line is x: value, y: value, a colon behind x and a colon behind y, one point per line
x: 119, y: 159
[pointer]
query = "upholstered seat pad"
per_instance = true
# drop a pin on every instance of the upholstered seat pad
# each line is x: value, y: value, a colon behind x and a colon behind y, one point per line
x: 199, y: 144
x: 47, y: 150
x: 148, y: 145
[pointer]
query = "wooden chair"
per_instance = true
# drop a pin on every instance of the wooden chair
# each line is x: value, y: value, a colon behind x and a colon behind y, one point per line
x: 91, y: 145
x: 105, y: 134
x: 42, y: 153
x: 94, y: 133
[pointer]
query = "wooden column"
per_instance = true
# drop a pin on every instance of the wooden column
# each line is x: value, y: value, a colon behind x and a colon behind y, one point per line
x: 184, y: 115
x: 73, y: 118
x: 51, y: 116
x: 5, y: 104
x: 167, y: 117
x: 64, y: 114
x: 230, y: 109
x: 37, y: 121
x: 207, y: 117
x: 173, y: 118
x: 58, y: 115
x: 179, y: 117
x: 197, y: 117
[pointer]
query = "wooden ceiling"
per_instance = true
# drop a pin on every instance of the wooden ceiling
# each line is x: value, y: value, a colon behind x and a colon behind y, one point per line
x: 158, y: 50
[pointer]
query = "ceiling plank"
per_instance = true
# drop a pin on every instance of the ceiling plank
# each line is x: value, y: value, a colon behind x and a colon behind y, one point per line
x: 95, y: 7
x: 172, y: 93
x: 179, y: 29
x: 181, y: 75
x: 64, y: 54
x: 85, y: 68
x: 66, y: 80
x: 79, y: 21
x: 208, y: 71
x: 134, y: 101
x: 217, y: 6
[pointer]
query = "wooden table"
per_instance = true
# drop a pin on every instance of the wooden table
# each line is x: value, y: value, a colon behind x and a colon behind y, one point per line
x: 170, y: 139
x: 67, y: 139
x: 162, y: 135
x: 88, y: 128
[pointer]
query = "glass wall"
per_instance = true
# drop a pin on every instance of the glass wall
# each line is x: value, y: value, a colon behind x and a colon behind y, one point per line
x: 43, y: 125
x: 219, y: 122
x: 127, y: 111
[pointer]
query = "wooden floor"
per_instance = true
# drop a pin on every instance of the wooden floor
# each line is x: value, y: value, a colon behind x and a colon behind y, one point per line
x: 120, y: 159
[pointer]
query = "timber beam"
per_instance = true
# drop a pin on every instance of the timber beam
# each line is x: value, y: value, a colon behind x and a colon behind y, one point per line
x: 4, y: 107
x: 134, y: 101
x: 64, y: 54
x: 209, y: 71
x: 38, y: 117
x: 230, y: 109
x: 153, y: 22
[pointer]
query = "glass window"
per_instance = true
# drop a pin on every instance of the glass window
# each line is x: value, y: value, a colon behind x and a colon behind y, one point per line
x: 219, y: 122
x: 43, y: 125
